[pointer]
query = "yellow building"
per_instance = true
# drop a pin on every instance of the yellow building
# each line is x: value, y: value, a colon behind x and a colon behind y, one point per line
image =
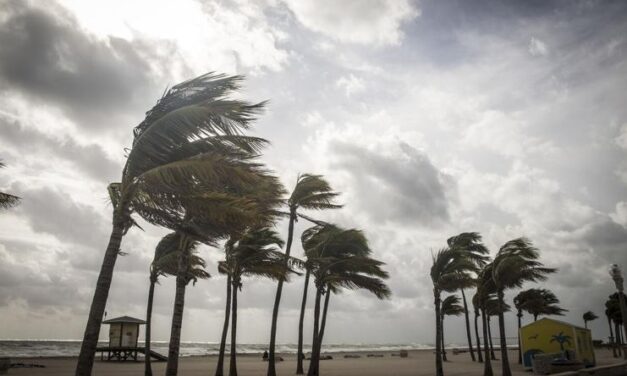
x: 552, y: 336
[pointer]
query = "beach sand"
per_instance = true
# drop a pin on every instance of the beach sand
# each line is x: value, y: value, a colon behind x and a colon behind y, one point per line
x: 418, y: 363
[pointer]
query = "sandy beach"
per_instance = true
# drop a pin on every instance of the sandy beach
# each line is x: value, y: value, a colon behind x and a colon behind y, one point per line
x: 419, y: 362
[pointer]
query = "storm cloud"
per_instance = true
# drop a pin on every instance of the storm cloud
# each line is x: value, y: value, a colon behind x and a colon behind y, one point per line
x: 431, y: 118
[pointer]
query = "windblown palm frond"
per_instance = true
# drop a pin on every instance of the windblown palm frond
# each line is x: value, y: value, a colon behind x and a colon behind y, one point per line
x: 312, y: 192
x: 470, y: 243
x: 168, y: 254
x: 451, y: 306
x: 7, y: 200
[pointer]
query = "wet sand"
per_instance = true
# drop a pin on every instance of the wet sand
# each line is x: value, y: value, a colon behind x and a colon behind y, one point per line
x: 418, y: 363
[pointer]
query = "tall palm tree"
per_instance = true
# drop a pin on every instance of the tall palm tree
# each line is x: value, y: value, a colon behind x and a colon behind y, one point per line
x: 515, y: 263
x: 190, y: 142
x: 189, y: 268
x: 589, y: 316
x: 312, y: 192
x: 475, y: 306
x: 470, y: 242
x: 162, y: 264
x: 536, y: 302
x: 339, y: 260
x: 7, y: 200
x: 485, y: 292
x: 451, y: 269
x: 612, y: 338
x: 450, y: 307
x: 223, y: 269
x: 613, y: 312
x: 493, y: 308
x: 256, y: 253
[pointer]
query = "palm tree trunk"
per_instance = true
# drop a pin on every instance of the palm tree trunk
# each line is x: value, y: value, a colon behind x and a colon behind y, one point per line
x: 225, y: 328
x: 92, y: 329
x: 504, y: 356
x: 479, y: 355
x: 612, y: 339
x: 519, y: 343
x: 585, y: 324
x: 492, y: 356
x: 619, y: 342
x: 468, y: 335
x: 323, y: 325
x: 301, y: 320
x: 179, y: 306
x: 487, y: 365
x: 277, y: 298
x: 314, y: 343
x: 535, y: 317
x: 438, y: 334
x: 233, y: 366
x: 151, y: 293
x: 444, y: 358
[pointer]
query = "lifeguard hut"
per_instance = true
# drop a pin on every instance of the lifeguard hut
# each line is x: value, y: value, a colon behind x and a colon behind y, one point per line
x: 123, y: 335
x: 548, y: 336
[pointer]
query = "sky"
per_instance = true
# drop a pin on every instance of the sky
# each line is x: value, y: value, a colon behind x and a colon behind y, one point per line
x: 431, y: 117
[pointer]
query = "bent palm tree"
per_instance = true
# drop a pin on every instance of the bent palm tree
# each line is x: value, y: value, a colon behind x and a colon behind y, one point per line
x: 515, y: 263
x: 339, y: 259
x: 190, y: 142
x: 589, y: 316
x: 256, y: 253
x: 451, y: 269
x: 162, y: 264
x: 312, y: 192
x: 7, y: 200
x: 536, y: 302
x: 450, y: 307
x: 470, y: 243
x: 189, y: 268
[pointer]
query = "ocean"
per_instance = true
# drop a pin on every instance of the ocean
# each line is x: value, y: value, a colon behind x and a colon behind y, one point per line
x: 69, y: 348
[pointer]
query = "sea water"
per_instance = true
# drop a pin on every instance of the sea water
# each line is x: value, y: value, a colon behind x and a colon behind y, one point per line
x: 71, y: 348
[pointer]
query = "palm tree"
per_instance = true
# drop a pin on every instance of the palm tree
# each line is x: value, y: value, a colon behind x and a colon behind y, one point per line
x: 312, y: 192
x: 162, y: 264
x: 450, y: 307
x: 515, y: 263
x: 190, y: 142
x: 340, y: 260
x: 256, y: 253
x: 612, y: 338
x: 7, y: 200
x: 475, y: 306
x: 189, y: 268
x: 589, y: 316
x: 543, y: 302
x: 613, y: 313
x: 451, y: 269
x: 536, y: 302
x: 470, y: 242
x: 485, y: 292
x: 561, y: 338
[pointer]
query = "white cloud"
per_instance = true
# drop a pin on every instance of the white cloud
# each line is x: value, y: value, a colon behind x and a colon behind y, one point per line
x: 376, y: 22
x: 620, y: 215
x: 537, y: 47
x: 621, y: 140
x: 351, y: 84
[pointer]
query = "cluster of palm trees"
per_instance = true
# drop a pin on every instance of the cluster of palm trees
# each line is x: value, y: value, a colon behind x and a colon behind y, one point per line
x: 465, y: 263
x: 194, y: 170
x: 615, y: 322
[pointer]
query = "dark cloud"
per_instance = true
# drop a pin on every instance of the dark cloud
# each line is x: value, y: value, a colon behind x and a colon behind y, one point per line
x: 406, y: 188
x: 48, y: 57
x: 91, y: 159
x: 56, y: 213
